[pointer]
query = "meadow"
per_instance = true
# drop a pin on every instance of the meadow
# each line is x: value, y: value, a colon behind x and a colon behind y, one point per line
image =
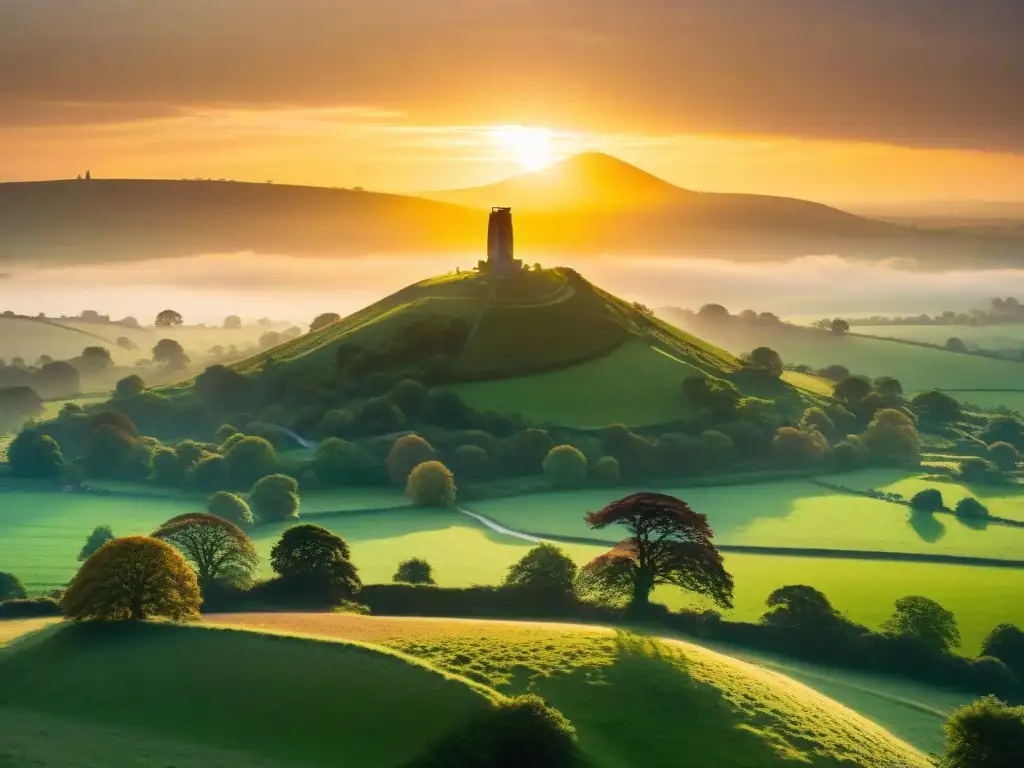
x: 996, y: 337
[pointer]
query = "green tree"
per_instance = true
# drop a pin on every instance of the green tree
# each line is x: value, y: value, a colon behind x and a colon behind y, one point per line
x: 1006, y: 643
x: 95, y: 360
x: 1004, y: 456
x: 431, y: 484
x: 134, y: 578
x: 323, y: 320
x: 167, y: 469
x: 798, y: 447
x: 887, y: 385
x: 100, y: 535
x: 414, y: 571
x: 669, y: 543
x: 11, y: 587
x: 529, y: 448
x: 925, y: 621
x: 130, y: 386
x: 936, y: 407
x: 985, y: 734
x: 851, y: 390
x: 928, y: 500
x: 209, y: 474
x: 107, y: 449
x: 230, y: 507
x: 247, y: 459
x: 816, y: 419
x: 606, y: 471
x: 170, y: 354
x: 545, y: 568
x: 407, y: 452
x: 315, y: 563
x: 410, y: 396
x: 839, y: 327
x: 274, y: 498
x: 168, y: 317
x: 34, y: 455
x: 768, y: 359
x: 800, y: 608
x: 218, y: 549
x: 339, y: 462
x: 970, y: 508
x: 892, y: 437
x: 565, y: 467
x: 974, y: 469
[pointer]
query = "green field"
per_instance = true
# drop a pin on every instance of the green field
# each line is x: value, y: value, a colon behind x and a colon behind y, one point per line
x: 990, y: 400
x: 996, y: 337
x: 791, y: 514
x: 28, y: 338
x: 681, y: 699
x: 252, y: 696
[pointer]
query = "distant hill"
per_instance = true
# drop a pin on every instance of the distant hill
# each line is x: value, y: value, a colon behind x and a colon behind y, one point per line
x: 589, y: 204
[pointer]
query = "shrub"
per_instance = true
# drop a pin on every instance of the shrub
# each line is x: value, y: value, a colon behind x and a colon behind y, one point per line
x: 991, y: 675
x: 719, y: 449
x: 892, y: 437
x: 565, y: 467
x: 1004, y: 456
x: 928, y: 500
x: 545, y: 568
x: 230, y: 507
x: 431, y: 484
x: 275, y: 498
x: 407, y: 452
x: 798, y: 447
x: 35, y: 455
x: 768, y: 359
x: 414, y: 571
x: 985, y: 734
x: 315, y: 564
x: 523, y: 731
x: 29, y: 608
x: 529, y: 448
x: 247, y: 459
x: 224, y: 431
x: 410, y: 396
x: 11, y: 587
x: 380, y: 416
x: 1004, y: 429
x: 817, y: 419
x: 210, y: 474
x: 130, y: 386
x: 338, y: 422
x: 606, y: 471
x: 637, y: 456
x: 472, y: 463
x: 133, y: 578
x: 971, y: 509
x: 977, y: 470
x: 936, y: 407
x: 100, y: 535
x: 851, y: 390
x: 339, y: 462
x: 167, y: 469
x: 445, y: 408
x: 680, y: 453
x: 849, y: 454
x: 107, y: 449
x: 1006, y: 643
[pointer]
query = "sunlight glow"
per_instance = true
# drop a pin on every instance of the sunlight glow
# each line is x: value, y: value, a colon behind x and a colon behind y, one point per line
x: 532, y: 146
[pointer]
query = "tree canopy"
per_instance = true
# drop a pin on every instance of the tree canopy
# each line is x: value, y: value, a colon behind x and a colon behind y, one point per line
x: 414, y: 571
x: 431, y: 484
x: 323, y: 320
x: 316, y: 563
x: 32, y: 454
x: 231, y: 507
x: 565, y: 467
x: 543, y: 568
x: 669, y: 544
x: 134, y: 578
x: 407, y: 452
x: 985, y: 734
x: 168, y: 317
x: 274, y: 498
x: 218, y: 549
x: 170, y: 354
x: 100, y: 535
x: 925, y: 621
x: 11, y: 587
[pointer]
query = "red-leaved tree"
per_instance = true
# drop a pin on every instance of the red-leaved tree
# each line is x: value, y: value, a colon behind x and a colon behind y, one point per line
x: 670, y: 544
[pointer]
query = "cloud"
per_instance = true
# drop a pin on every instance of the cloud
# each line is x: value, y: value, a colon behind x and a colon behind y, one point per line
x: 942, y: 73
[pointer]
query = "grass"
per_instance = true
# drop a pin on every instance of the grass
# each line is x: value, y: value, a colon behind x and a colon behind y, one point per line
x: 634, y: 699
x: 990, y: 400
x: 809, y: 383
x: 296, y: 701
x: 28, y: 338
x: 792, y: 514
x: 1003, y: 336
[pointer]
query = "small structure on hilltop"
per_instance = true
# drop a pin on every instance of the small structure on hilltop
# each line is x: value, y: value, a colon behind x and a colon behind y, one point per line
x: 500, y: 249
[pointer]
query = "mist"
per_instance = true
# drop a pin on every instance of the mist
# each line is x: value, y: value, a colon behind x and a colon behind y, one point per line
x: 207, y: 288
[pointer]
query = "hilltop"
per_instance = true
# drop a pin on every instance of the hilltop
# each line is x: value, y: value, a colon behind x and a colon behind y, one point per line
x: 588, y: 204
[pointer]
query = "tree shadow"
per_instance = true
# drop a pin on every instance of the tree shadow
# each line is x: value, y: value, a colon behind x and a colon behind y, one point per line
x: 974, y: 523
x: 926, y: 526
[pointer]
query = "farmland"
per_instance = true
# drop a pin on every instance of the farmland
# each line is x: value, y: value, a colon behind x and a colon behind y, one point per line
x: 995, y: 337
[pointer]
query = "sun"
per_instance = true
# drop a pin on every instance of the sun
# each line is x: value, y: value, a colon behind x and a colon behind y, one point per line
x: 532, y: 146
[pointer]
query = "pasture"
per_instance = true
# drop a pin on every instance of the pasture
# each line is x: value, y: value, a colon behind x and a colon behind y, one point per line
x: 995, y: 337
x: 682, y: 698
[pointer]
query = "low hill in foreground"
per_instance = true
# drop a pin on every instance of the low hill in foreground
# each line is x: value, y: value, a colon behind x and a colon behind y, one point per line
x: 300, y: 701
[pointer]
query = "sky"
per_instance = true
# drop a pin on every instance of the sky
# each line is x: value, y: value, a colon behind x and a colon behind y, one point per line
x: 835, y: 100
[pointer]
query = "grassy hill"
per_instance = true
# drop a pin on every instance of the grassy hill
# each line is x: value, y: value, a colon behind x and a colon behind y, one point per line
x: 633, y: 700
x: 29, y: 337
x: 251, y: 699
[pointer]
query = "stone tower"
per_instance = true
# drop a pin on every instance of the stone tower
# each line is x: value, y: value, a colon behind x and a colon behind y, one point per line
x: 499, y: 240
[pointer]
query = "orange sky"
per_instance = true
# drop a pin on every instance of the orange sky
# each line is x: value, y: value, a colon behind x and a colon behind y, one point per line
x: 844, y: 101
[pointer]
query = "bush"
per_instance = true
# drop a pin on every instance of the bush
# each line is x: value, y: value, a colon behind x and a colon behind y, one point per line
x: 247, y: 459
x: 892, y: 437
x: 977, y: 470
x: 275, y: 498
x: 523, y: 731
x: 681, y: 454
x: 985, y: 734
x: 719, y: 449
x: 380, y: 416
x: 34, y: 455
x: 224, y: 431
x: 637, y: 456
x: 230, y: 507
x: 167, y: 469
x: 134, y: 578
x: 29, y: 608
x: 407, y: 452
x: 1006, y: 643
x: 565, y: 467
x: 339, y: 462
x: 414, y: 571
x: 529, y: 448
x: 472, y: 463
x: 992, y: 675
x: 544, y: 569
x: 848, y: 455
x: 338, y: 422
x: 936, y: 407
x: 130, y: 386
x: 100, y: 535
x: 817, y: 419
x: 1004, y: 429
x: 11, y: 587
x: 606, y: 471
x: 1004, y: 456
x: 928, y: 500
x: 970, y: 508
x: 210, y: 474
x: 431, y: 484
x: 410, y: 396
x: 445, y: 408
x: 799, y: 448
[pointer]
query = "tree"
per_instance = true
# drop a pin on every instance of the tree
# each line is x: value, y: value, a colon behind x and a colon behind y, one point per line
x: 985, y: 734
x: 607, y: 472
x: 130, y: 386
x: 887, y: 385
x: 974, y: 469
x: 713, y: 312
x: 816, y: 419
x: 323, y: 320
x: 955, y: 345
x: 892, y: 436
x: 1004, y: 456
x: 669, y: 544
x: 410, y: 396
x: 339, y: 462
x: 1005, y: 429
x: 230, y: 507
x: 545, y: 568
x: 95, y: 360
x: 472, y: 463
x: 316, y: 563
x: 168, y: 317
x: 218, y: 549
x: 407, y: 452
x: 800, y: 608
x: 923, y: 620
x: 414, y: 571
x: 970, y: 508
x: 769, y: 359
x: 270, y: 339
x: 565, y: 467
x: 928, y: 500
x: 11, y: 587
x: 274, y: 498
x: 936, y: 407
x: 232, y: 322
x: 839, y: 327
x: 799, y: 447
x: 134, y: 578
x: 852, y: 390
x: 107, y: 449
x: 431, y: 484
x: 379, y: 416
x: 210, y: 473
x: 35, y: 455
x: 247, y: 459
x: 57, y: 379
x: 170, y: 354
x: 100, y: 535
x: 1006, y: 643
x: 529, y: 449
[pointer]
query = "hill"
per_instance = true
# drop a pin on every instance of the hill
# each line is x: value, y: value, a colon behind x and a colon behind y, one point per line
x: 30, y: 337
x: 633, y: 700
x: 589, y: 204
x: 166, y: 695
